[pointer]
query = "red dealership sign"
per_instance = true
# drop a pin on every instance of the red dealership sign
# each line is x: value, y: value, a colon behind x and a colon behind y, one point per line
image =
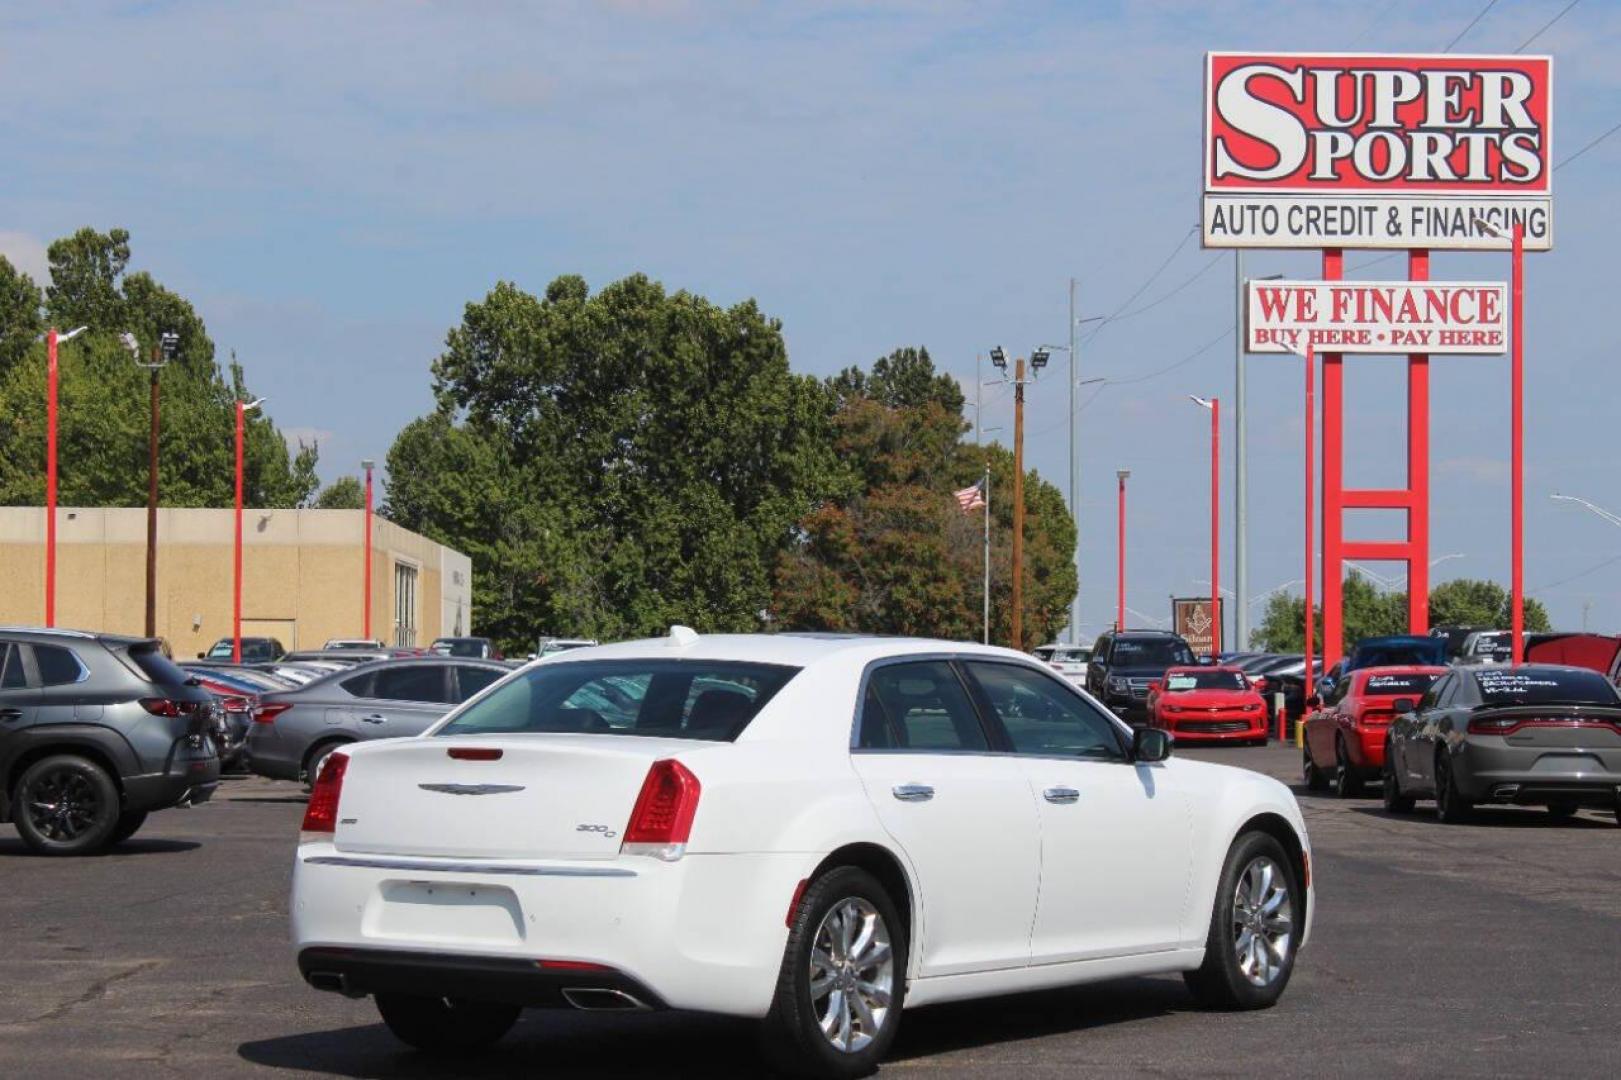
x: 1376, y: 316
x: 1327, y: 150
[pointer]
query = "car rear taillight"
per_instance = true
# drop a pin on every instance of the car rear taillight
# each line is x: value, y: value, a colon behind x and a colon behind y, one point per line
x: 321, y: 815
x: 267, y: 713
x: 1376, y: 718
x: 661, y: 821
x: 158, y: 706
x: 474, y: 753
x: 236, y: 704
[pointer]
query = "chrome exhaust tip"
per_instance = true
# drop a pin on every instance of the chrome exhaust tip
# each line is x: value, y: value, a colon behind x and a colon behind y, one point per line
x: 1505, y: 792
x: 603, y: 999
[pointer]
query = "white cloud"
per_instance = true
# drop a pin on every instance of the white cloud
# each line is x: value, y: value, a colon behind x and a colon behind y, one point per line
x: 26, y: 254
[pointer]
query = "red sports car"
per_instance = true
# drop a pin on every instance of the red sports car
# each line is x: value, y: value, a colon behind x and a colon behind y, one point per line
x: 1207, y: 704
x: 1345, y: 736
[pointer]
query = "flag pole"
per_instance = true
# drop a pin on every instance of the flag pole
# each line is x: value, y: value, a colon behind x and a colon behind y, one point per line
x: 987, y: 590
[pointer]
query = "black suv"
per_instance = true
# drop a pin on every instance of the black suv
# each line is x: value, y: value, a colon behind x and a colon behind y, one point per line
x: 95, y: 732
x: 1124, y: 662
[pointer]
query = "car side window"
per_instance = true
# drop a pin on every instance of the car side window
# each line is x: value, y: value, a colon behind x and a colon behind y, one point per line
x: 919, y: 706
x: 1043, y: 717
x: 414, y: 682
x: 470, y: 680
x: 11, y: 668
x: 1438, y: 689
x: 58, y: 666
x: 359, y: 685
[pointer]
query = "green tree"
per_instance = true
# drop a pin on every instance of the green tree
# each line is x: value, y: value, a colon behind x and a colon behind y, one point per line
x: 891, y: 552
x: 615, y: 462
x: 344, y: 493
x: 103, y: 395
x: 1472, y: 602
x: 20, y: 319
x: 1370, y: 613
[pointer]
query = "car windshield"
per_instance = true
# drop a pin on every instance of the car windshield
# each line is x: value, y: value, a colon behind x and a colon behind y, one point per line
x: 1178, y: 681
x: 1150, y: 652
x: 221, y: 651
x: 712, y: 700
x: 1545, y: 686
x: 1406, y: 684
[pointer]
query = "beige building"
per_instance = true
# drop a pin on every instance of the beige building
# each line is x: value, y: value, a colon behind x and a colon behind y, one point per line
x: 303, y: 576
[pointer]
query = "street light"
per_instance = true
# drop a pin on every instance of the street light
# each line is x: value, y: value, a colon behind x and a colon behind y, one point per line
x: 1613, y: 519
x: 168, y: 345
x: 1121, y: 476
x: 1516, y: 498
x: 1241, y: 464
x: 242, y: 408
x: 52, y: 340
x: 998, y: 357
x: 1214, y: 405
x: 368, y: 464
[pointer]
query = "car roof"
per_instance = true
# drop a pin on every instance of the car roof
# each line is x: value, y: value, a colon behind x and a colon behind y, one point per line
x: 792, y: 648
x: 49, y: 632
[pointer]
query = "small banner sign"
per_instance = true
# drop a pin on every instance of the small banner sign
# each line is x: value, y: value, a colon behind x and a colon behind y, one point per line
x: 1330, y: 150
x: 1191, y: 618
x: 1388, y: 317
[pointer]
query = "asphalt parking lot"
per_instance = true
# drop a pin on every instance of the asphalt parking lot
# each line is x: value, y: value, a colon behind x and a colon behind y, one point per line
x: 1490, y: 949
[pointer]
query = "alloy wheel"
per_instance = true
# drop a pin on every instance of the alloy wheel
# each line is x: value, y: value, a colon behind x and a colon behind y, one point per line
x: 1263, y: 921
x: 852, y: 974
x: 63, y: 804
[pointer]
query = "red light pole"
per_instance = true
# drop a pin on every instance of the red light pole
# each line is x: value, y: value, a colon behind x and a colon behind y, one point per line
x: 1121, y: 476
x: 52, y: 340
x: 1214, y: 405
x: 368, y: 464
x: 236, y: 575
x: 1517, y: 452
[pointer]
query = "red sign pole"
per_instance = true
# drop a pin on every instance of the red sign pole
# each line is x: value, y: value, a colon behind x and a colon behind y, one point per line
x: 1418, y: 471
x: 1333, y: 485
x: 1517, y: 452
x: 367, y: 634
x: 1311, y: 422
x: 1215, y: 525
x: 50, y: 477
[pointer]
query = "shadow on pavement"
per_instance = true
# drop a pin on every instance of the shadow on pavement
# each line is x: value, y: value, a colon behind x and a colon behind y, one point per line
x: 1500, y: 817
x: 570, y: 1045
x: 13, y: 847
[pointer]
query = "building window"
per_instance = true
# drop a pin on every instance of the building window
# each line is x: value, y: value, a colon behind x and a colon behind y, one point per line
x: 405, y: 605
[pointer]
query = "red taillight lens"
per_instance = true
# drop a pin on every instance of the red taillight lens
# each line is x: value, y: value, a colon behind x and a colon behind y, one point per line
x: 321, y: 816
x: 158, y: 706
x: 474, y: 753
x: 662, y: 819
x: 236, y: 704
x: 266, y: 714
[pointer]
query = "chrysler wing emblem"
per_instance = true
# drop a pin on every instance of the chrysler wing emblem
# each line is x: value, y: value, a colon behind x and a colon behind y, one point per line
x: 472, y: 789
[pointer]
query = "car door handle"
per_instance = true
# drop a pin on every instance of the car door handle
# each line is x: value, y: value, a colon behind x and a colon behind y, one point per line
x: 1061, y: 795
x: 11, y: 714
x: 912, y: 792
x: 374, y: 718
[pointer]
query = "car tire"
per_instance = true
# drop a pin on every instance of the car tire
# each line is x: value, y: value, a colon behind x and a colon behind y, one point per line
x: 442, y: 1025
x: 1395, y: 801
x: 1316, y: 780
x: 1450, y: 807
x: 317, y: 757
x: 129, y: 823
x: 1347, y: 782
x: 1561, y: 809
x: 65, y: 805
x: 793, y: 1036
x: 1243, y: 969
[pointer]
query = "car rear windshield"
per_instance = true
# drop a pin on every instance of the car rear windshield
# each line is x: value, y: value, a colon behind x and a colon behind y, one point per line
x: 713, y: 700
x: 1406, y: 685
x: 1205, y: 680
x: 1149, y: 652
x: 1545, y: 686
x: 156, y: 667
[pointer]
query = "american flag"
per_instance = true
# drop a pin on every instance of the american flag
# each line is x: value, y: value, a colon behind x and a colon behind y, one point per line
x: 971, y: 498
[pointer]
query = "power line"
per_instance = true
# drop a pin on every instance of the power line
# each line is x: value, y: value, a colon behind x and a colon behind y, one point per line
x: 1182, y: 243
x: 1188, y: 359
x: 1562, y: 13
x: 1588, y: 147
x: 1459, y: 36
x: 1201, y: 272
x: 1566, y: 581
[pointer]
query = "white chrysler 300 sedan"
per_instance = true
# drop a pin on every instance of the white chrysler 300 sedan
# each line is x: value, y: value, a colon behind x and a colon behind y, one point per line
x: 816, y: 831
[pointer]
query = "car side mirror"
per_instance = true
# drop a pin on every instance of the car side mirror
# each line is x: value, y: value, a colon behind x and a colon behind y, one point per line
x: 1403, y: 705
x: 1149, y: 745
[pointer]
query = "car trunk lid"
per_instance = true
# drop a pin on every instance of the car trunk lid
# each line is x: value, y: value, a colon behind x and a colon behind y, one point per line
x: 529, y: 796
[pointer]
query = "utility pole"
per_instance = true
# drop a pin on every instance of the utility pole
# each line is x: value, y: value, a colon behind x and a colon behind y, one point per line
x: 162, y: 353
x: 1241, y: 551
x: 1018, y: 504
x: 1074, y: 472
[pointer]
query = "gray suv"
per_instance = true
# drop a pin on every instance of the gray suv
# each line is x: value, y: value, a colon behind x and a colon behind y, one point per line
x: 96, y: 731
x: 293, y: 731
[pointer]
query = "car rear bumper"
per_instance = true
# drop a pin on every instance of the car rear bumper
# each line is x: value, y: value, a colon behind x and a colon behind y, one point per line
x: 1497, y: 773
x: 358, y: 972
x: 185, y: 783
x: 706, y: 932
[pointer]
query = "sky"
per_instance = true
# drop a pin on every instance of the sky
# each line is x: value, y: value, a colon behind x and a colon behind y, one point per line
x: 330, y: 184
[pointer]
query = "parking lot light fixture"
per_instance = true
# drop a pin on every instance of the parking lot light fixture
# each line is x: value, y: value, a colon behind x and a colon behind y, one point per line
x: 368, y: 464
x: 242, y: 409
x: 52, y: 340
x: 1120, y: 476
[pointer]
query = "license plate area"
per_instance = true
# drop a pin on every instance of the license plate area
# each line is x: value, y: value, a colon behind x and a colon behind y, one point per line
x: 444, y: 912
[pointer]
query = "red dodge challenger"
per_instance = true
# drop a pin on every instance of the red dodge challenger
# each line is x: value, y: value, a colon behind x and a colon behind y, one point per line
x: 1345, y: 735
x: 1207, y: 704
